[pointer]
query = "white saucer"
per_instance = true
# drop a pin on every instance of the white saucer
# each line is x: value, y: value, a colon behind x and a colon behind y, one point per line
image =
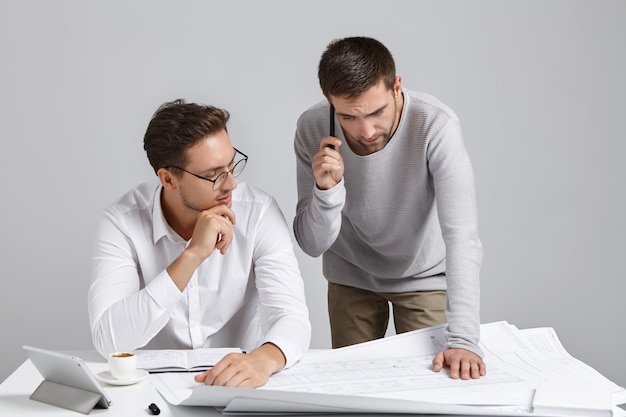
x: 105, y: 376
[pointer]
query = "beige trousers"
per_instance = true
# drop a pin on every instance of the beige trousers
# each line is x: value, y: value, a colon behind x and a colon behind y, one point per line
x: 358, y: 315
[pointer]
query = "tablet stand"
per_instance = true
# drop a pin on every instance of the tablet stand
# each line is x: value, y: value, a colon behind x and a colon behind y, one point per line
x: 67, y: 397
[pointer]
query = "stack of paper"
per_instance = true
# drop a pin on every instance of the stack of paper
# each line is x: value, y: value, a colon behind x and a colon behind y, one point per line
x: 394, y: 375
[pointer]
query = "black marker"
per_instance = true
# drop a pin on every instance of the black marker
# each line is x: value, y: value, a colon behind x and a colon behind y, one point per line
x: 154, y: 409
x: 332, y: 124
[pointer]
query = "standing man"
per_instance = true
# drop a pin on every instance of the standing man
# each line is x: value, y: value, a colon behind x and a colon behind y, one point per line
x: 188, y: 261
x: 389, y: 201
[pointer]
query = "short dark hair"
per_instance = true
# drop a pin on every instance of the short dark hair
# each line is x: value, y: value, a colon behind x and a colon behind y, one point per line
x: 175, y: 127
x: 350, y: 66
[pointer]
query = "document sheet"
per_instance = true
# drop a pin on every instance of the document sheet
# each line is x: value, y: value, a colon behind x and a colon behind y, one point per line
x: 397, y: 372
x: 177, y: 360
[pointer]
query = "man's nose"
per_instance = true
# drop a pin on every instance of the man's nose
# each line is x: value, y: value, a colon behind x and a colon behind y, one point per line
x: 367, y: 130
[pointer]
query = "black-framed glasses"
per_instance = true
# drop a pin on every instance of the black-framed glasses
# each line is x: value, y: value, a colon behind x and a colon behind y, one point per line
x: 219, y: 180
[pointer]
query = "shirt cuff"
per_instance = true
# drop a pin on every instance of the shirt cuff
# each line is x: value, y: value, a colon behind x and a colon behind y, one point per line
x: 292, y: 352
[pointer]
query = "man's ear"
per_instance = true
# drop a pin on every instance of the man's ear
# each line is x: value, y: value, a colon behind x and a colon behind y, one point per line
x: 397, y: 87
x: 167, y: 178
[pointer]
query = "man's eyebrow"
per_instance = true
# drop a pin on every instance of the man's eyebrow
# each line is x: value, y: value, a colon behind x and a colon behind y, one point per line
x: 369, y: 114
x: 223, y: 166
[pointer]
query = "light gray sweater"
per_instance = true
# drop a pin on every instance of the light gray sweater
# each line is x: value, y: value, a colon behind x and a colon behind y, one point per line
x: 403, y: 218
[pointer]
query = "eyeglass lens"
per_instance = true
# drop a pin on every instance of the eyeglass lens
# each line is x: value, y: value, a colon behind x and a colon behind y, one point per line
x: 237, y: 169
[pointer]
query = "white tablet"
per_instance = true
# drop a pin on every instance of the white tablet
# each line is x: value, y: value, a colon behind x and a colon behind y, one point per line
x: 66, y: 370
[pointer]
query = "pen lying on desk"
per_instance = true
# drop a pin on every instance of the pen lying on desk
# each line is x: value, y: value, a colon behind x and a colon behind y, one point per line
x: 154, y: 409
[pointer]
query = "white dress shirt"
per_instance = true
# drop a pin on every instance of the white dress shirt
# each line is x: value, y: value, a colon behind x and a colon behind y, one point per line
x: 251, y: 295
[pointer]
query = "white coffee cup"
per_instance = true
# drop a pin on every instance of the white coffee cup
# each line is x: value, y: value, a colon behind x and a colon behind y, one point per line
x: 122, y: 365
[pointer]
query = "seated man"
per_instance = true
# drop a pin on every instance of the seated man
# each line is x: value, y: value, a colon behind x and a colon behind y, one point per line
x: 191, y: 260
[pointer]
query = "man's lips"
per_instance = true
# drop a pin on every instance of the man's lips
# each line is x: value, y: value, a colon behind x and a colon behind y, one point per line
x: 225, y: 200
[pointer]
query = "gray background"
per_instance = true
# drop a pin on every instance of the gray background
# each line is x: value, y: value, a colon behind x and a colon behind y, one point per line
x: 539, y: 87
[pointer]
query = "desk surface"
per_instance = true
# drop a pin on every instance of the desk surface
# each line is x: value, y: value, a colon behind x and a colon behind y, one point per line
x: 127, y: 401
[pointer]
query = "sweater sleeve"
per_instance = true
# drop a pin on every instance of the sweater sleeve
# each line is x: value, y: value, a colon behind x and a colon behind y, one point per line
x: 453, y: 179
x: 318, y: 213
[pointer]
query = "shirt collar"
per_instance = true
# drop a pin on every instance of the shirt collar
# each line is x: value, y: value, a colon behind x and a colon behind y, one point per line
x: 160, y: 227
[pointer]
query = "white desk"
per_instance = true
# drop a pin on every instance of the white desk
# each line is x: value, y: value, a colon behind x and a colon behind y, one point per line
x: 127, y: 401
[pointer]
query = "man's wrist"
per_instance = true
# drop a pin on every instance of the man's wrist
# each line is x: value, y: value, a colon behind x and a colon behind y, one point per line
x: 272, y: 356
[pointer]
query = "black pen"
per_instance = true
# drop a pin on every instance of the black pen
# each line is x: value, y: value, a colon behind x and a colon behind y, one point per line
x: 154, y: 410
x: 332, y: 124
